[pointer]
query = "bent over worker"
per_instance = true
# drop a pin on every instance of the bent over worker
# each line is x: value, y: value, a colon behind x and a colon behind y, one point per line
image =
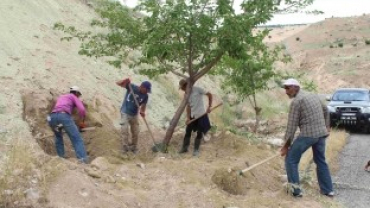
x: 130, y: 111
x: 195, y: 110
x: 60, y: 118
x: 310, y: 114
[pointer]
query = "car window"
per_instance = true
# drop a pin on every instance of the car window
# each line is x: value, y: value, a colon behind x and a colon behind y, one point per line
x: 351, y: 96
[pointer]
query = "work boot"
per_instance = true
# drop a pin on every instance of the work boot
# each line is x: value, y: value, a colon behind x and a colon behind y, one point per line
x: 133, y: 149
x: 183, y: 150
x: 125, y: 149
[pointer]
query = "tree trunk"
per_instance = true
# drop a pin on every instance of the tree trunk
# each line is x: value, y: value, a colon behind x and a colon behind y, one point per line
x: 257, y: 110
x: 177, y: 115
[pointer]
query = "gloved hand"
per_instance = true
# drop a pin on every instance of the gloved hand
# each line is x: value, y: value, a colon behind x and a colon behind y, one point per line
x: 126, y: 81
x: 82, y: 125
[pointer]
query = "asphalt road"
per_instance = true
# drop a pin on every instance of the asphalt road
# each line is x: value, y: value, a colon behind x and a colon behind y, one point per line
x: 352, y: 182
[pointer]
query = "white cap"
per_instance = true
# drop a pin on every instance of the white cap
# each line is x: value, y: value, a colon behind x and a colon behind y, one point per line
x: 291, y: 82
x: 75, y: 89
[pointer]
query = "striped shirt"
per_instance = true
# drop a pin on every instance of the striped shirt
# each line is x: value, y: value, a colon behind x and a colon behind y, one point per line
x: 308, y: 113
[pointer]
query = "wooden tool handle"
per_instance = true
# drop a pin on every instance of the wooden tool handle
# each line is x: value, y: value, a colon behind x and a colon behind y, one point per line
x: 192, y: 120
x: 259, y: 163
x: 138, y: 106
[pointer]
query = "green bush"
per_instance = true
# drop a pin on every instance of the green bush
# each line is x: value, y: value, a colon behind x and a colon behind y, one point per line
x: 340, y: 45
x: 367, y: 42
x: 331, y: 46
x: 297, y: 38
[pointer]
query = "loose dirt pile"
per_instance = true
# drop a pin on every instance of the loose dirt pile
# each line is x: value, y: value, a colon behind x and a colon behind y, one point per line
x: 230, y: 181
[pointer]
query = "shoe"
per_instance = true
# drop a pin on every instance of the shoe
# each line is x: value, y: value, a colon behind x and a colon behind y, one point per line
x: 183, y: 150
x: 206, y: 138
x: 196, y: 153
x: 135, y: 151
x: 330, y: 194
x: 125, y: 149
x: 297, y: 194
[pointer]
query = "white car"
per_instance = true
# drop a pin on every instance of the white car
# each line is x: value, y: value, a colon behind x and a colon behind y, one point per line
x: 350, y: 107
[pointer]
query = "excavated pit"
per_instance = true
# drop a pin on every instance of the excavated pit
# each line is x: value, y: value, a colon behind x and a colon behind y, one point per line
x: 103, y: 141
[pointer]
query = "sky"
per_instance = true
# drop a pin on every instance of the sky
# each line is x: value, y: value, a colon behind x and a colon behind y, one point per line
x: 336, y: 8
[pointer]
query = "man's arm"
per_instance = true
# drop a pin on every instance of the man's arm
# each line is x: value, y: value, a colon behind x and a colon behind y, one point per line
x: 142, y: 109
x: 293, y: 119
x: 210, y: 98
x: 80, y: 106
x: 188, y: 114
x: 326, y: 115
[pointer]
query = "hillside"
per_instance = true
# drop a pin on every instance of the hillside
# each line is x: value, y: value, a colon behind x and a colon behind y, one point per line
x: 36, y: 67
x: 316, y: 52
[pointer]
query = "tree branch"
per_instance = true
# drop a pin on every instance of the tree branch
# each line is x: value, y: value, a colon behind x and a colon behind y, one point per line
x: 190, y: 56
x: 175, y: 72
x: 208, y: 66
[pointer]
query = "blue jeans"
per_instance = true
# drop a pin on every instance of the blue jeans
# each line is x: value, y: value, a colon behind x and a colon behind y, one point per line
x: 72, y: 131
x: 299, y: 146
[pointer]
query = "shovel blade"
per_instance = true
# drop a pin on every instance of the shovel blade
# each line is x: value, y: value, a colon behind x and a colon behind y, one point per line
x: 159, y: 148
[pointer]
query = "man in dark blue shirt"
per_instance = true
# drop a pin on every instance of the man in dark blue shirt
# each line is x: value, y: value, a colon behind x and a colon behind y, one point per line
x: 130, y: 110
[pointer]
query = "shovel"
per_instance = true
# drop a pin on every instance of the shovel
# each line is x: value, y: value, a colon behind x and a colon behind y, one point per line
x: 240, y: 172
x: 91, y: 128
x: 146, y: 123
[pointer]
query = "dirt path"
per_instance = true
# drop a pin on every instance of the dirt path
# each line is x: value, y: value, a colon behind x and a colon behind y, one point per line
x: 352, y: 181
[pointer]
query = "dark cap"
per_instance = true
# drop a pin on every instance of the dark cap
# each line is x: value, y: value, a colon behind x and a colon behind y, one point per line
x: 147, y: 85
x: 182, y: 82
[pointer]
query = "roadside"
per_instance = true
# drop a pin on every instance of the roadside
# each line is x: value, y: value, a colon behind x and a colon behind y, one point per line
x: 352, y: 181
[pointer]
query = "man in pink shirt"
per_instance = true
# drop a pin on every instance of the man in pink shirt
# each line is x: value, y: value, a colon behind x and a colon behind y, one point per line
x: 60, y: 118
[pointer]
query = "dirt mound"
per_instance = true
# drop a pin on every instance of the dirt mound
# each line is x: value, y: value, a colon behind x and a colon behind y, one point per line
x: 230, y: 181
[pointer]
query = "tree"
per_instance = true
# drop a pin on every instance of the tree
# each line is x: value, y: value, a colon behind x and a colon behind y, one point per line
x: 185, y: 37
x: 251, y: 74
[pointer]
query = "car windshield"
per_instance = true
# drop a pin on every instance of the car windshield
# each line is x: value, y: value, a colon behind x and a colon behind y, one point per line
x: 351, y: 95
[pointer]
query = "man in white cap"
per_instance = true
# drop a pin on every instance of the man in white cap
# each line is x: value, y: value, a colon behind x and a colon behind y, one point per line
x: 60, y: 118
x: 310, y: 114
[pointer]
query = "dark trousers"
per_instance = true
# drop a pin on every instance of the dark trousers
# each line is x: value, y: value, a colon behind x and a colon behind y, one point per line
x: 188, y: 136
x: 201, y: 126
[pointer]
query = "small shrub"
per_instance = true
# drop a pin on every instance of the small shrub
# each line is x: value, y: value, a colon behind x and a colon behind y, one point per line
x: 331, y: 46
x: 270, y: 37
x: 367, y: 42
x: 340, y: 45
x: 297, y: 38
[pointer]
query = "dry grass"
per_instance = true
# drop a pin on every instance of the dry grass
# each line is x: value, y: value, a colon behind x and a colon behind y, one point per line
x: 24, y: 169
x: 17, y: 166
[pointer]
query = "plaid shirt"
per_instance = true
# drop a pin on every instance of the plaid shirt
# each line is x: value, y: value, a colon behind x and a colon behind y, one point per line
x: 308, y: 113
